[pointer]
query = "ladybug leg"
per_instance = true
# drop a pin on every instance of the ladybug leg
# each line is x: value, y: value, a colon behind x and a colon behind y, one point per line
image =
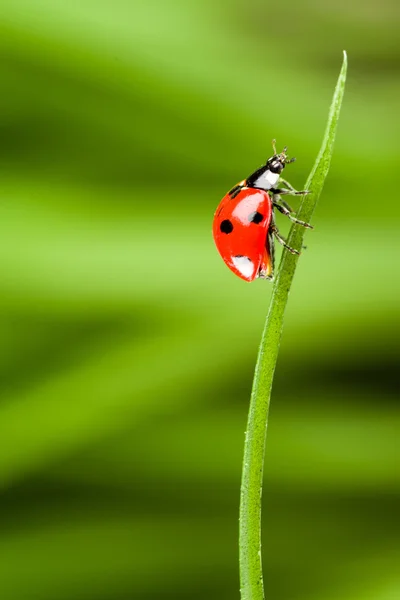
x: 282, y: 240
x: 286, y: 212
x: 287, y: 184
x: 291, y: 188
x: 286, y: 205
x: 291, y: 192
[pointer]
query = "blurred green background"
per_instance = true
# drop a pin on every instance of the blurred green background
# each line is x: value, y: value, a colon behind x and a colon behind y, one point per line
x: 127, y: 346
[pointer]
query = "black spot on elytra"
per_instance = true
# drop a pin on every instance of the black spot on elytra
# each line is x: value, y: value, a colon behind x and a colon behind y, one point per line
x: 226, y: 226
x: 255, y: 217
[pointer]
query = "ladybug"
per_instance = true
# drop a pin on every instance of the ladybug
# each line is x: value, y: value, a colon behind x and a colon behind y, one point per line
x: 244, y: 224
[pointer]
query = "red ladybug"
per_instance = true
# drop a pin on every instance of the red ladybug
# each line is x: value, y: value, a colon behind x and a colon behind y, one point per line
x: 244, y: 224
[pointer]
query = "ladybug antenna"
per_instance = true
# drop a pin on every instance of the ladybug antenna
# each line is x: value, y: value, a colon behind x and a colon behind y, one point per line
x: 287, y: 160
x: 274, y: 145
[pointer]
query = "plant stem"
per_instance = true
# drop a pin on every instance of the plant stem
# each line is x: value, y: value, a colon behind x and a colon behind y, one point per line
x: 251, y: 579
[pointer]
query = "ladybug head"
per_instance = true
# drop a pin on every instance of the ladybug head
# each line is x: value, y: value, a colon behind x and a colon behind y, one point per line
x: 277, y: 162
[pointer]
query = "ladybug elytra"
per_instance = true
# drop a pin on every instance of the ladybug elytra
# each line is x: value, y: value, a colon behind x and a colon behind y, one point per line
x: 244, y: 224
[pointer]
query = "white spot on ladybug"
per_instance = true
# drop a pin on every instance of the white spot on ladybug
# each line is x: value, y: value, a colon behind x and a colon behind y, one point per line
x: 244, y: 265
x: 267, y: 180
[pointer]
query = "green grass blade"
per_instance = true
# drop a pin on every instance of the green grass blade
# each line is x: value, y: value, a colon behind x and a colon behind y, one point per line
x: 251, y: 579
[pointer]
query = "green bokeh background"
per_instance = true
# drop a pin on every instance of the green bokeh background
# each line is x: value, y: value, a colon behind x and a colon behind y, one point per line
x: 127, y: 347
